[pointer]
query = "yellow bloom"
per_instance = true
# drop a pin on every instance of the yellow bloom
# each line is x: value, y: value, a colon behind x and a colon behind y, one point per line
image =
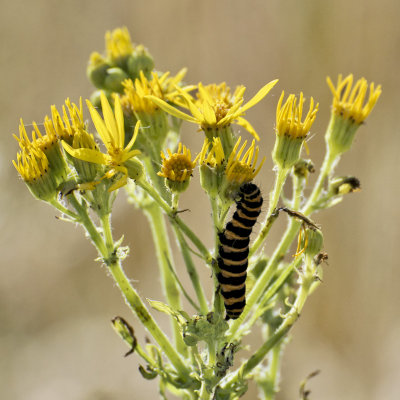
x: 70, y: 122
x: 288, y: 117
x: 31, y: 164
x: 351, y: 103
x: 112, y: 133
x: 242, y: 169
x: 211, y: 112
x: 118, y: 43
x: 48, y: 144
x: 178, y: 167
x: 213, y: 156
x: 135, y: 97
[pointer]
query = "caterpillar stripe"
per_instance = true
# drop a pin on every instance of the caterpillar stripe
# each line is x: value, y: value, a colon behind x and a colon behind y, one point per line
x: 233, y: 250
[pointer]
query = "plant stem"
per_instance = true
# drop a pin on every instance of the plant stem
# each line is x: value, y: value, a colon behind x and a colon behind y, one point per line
x: 266, y: 276
x: 273, y: 372
x: 274, y: 199
x: 327, y: 168
x: 90, y: 228
x: 280, y: 333
x: 164, y: 257
x: 192, y: 272
x: 135, y: 303
x: 176, y: 220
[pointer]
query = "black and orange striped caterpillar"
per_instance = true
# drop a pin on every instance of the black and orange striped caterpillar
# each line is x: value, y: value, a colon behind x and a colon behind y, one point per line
x: 233, y: 250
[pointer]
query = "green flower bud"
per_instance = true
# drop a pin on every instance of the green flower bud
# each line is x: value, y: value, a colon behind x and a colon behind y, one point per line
x: 97, y: 70
x: 140, y: 60
x: 113, y: 81
x: 313, y: 241
x: 135, y: 168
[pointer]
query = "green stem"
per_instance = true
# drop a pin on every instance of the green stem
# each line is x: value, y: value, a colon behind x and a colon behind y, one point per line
x: 218, y: 306
x: 327, y: 168
x: 135, y: 303
x: 274, y: 199
x: 63, y: 209
x: 283, y: 275
x: 88, y: 225
x: 273, y: 373
x: 164, y: 257
x: 176, y: 220
x: 266, y: 276
x: 290, y: 318
x: 192, y: 272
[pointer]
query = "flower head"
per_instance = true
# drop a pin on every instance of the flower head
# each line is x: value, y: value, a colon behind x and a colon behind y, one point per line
x: 178, y: 167
x: 47, y: 143
x: 350, y: 109
x: 288, y: 116
x: 214, y: 108
x: 118, y: 43
x: 70, y: 122
x: 33, y: 166
x: 291, y: 130
x: 351, y: 102
x: 135, y: 97
x: 212, y: 153
x: 243, y: 169
x: 112, y: 133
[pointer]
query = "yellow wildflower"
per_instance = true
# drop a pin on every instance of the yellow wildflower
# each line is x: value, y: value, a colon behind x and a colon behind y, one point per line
x: 213, y: 156
x: 135, y: 97
x: 243, y: 169
x: 291, y: 131
x: 118, y: 43
x: 212, y: 113
x: 351, y: 103
x: 178, y: 167
x: 288, y: 116
x: 112, y: 133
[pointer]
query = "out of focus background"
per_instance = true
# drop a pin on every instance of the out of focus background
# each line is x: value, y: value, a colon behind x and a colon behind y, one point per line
x: 56, y: 302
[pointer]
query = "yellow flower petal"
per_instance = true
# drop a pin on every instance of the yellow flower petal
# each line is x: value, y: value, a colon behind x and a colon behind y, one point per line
x: 89, y: 155
x: 259, y: 95
x: 171, y: 110
x: 246, y: 125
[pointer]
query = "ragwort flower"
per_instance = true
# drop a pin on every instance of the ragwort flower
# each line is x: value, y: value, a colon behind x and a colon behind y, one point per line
x: 350, y: 108
x: 119, y: 159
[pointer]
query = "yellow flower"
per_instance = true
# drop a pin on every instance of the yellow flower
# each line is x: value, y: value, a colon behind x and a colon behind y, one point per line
x: 33, y: 166
x: 178, y: 167
x: 351, y: 103
x: 135, y: 97
x: 70, y: 122
x: 48, y: 144
x: 118, y: 43
x: 242, y: 169
x: 112, y: 133
x: 288, y: 117
x: 211, y: 112
x: 213, y: 156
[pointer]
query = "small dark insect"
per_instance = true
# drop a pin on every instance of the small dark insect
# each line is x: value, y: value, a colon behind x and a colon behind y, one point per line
x: 233, y: 250
x: 321, y: 257
x: 300, y: 216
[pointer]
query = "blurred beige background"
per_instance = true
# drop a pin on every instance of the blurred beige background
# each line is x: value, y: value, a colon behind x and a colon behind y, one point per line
x: 56, y: 302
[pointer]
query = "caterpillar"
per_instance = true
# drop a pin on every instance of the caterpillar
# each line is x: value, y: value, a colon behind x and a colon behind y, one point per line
x: 233, y: 250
